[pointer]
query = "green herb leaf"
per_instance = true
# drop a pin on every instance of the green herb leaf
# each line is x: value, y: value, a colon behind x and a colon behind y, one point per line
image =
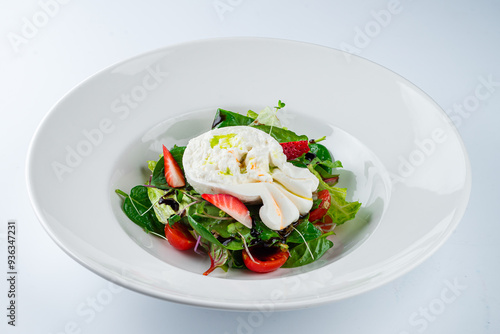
x: 173, y: 219
x: 179, y: 196
x: 201, y: 230
x: 330, y: 164
x: 151, y: 165
x: 280, y: 105
x: 252, y: 114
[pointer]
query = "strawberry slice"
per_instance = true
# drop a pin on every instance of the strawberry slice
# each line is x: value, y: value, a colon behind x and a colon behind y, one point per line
x: 321, y: 210
x: 325, y: 224
x: 232, y: 206
x: 295, y: 149
x: 173, y: 173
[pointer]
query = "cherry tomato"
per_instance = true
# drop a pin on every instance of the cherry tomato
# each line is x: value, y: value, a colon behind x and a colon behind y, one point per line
x: 179, y: 237
x: 265, y: 259
x: 324, y: 196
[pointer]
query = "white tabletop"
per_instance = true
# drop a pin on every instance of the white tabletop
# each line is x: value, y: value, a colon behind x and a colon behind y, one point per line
x: 450, y: 49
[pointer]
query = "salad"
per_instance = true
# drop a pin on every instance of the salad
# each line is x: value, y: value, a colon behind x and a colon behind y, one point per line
x: 249, y: 193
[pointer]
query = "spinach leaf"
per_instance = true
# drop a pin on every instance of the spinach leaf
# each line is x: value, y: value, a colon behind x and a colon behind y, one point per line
x: 299, y: 163
x: 300, y: 255
x: 308, y: 231
x: 137, y: 207
x: 177, y: 153
x: 320, y: 151
x: 225, y: 118
x: 158, y: 180
x: 280, y: 134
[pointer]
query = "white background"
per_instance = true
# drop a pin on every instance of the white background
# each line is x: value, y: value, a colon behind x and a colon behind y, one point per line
x: 447, y: 48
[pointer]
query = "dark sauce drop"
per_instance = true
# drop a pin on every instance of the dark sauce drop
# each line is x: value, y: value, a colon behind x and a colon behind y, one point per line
x: 170, y: 202
x: 254, y: 232
x: 225, y: 241
x: 310, y: 156
x: 218, y: 119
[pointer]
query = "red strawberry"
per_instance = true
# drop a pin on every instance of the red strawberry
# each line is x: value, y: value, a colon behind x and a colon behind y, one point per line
x: 318, y: 213
x: 325, y: 224
x: 173, y: 173
x: 295, y: 149
x: 331, y: 181
x: 232, y: 206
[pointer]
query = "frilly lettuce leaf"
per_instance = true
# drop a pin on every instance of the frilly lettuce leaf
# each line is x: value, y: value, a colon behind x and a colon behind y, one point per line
x: 268, y: 117
x: 340, y: 210
x: 163, y: 211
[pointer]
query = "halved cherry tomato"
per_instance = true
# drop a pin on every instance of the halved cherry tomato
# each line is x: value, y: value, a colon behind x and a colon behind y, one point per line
x: 179, y: 237
x: 265, y: 259
x: 324, y: 196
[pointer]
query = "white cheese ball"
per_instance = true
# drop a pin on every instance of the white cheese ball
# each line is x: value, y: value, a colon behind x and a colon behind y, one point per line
x: 250, y: 164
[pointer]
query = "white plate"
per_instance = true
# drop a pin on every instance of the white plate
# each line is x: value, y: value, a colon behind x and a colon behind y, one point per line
x: 403, y: 160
